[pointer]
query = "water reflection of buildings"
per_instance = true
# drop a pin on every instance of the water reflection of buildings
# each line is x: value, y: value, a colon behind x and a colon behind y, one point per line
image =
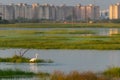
x: 113, y: 31
x: 34, y: 67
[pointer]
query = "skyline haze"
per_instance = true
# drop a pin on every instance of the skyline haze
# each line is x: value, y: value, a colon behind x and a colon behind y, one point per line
x: 104, y: 4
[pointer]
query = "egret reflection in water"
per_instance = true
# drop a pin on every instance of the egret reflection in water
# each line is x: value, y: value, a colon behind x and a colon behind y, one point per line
x: 34, y: 67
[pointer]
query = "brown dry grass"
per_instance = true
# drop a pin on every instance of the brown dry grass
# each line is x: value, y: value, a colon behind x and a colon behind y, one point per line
x: 75, y: 75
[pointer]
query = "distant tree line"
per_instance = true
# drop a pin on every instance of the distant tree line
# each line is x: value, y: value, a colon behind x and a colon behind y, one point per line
x: 24, y: 20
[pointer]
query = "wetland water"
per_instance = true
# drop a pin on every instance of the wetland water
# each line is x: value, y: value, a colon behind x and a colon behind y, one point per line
x: 65, y: 60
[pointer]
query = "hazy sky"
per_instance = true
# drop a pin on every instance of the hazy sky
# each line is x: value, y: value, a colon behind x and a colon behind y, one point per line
x: 102, y: 3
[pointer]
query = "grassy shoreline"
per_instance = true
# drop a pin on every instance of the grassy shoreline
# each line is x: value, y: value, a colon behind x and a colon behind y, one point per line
x: 62, y: 25
x: 112, y: 73
x: 108, y: 74
x: 9, y: 73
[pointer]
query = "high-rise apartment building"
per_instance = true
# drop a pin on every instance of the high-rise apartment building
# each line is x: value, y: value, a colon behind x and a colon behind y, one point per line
x: 83, y: 13
x: 52, y: 13
x: 23, y: 11
x: 114, y: 11
x: 45, y: 11
x: 2, y: 11
x: 64, y: 12
x: 8, y: 12
x: 88, y: 12
x: 36, y: 10
x: 77, y: 12
x: 92, y: 12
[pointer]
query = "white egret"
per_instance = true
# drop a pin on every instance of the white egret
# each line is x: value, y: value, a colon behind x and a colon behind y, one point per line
x: 34, y: 59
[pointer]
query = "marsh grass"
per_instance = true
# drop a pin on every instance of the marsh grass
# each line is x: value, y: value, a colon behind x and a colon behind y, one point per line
x: 60, y: 31
x: 112, y: 72
x: 34, y: 40
x: 9, y: 73
x: 57, y: 39
x: 60, y: 25
x: 75, y: 75
x: 60, y: 43
x: 12, y: 73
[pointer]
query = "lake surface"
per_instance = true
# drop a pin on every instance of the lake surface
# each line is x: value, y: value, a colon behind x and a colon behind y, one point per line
x: 65, y: 60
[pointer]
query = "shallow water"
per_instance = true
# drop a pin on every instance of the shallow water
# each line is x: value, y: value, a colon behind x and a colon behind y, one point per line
x: 65, y: 60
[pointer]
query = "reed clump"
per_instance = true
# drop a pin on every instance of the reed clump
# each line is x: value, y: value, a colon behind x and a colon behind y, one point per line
x: 21, y: 59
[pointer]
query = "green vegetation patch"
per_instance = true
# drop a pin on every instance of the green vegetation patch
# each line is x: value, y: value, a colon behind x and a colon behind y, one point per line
x: 12, y: 73
x: 21, y: 59
x: 69, y: 32
x: 9, y: 73
x: 112, y: 72
x: 32, y: 39
x: 53, y: 38
x: 61, y: 25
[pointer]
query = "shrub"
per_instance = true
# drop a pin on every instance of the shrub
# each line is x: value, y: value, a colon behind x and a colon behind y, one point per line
x: 112, y: 72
